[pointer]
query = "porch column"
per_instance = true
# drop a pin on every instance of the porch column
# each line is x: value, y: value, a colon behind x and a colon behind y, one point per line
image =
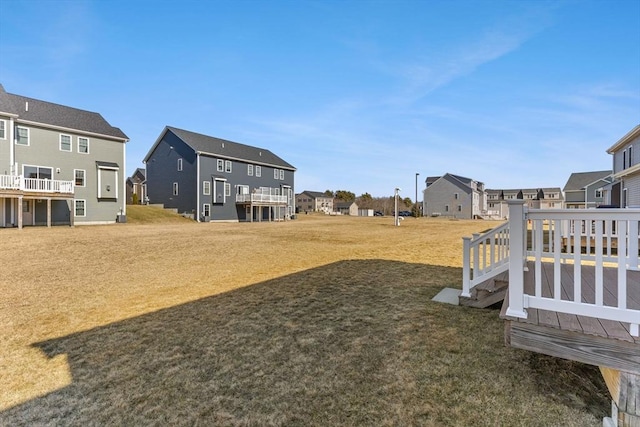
x: 48, y: 212
x: 20, y: 212
x: 516, y: 258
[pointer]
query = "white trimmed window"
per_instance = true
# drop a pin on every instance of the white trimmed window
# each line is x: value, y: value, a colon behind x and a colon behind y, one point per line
x: 206, y: 188
x: 65, y: 142
x: 250, y: 170
x: 459, y: 208
x: 276, y: 174
x: 22, y: 135
x: 83, y: 145
x: 220, y: 165
x: 175, y: 188
x: 282, y: 174
x: 227, y: 189
x: 79, y: 176
x: 456, y: 195
x: 258, y: 171
x: 179, y: 164
x: 598, y: 193
x: 80, y: 208
x: 206, y: 209
x: 3, y: 129
x: 227, y: 166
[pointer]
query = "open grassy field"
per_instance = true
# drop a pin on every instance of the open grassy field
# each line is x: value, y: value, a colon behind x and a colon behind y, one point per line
x: 316, y: 321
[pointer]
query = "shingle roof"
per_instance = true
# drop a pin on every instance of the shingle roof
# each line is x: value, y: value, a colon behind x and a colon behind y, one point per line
x: 315, y: 194
x: 47, y: 113
x: 578, y: 180
x: 228, y: 149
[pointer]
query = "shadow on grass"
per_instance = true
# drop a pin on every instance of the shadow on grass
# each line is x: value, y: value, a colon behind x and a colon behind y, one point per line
x: 350, y: 343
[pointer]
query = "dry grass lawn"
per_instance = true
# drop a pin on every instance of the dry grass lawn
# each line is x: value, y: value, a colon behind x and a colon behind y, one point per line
x: 317, y: 321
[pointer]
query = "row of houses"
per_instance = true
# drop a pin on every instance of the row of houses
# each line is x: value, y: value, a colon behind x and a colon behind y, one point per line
x: 63, y: 165
x: 460, y: 197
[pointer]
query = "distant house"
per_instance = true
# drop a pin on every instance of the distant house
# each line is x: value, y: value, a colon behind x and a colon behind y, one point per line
x: 536, y: 198
x: 314, y: 201
x: 347, y: 208
x: 625, y: 189
x: 137, y: 185
x: 585, y: 189
x: 58, y: 165
x: 212, y: 179
x: 454, y: 196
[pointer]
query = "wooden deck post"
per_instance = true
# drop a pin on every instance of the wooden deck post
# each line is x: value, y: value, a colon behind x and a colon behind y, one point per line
x: 516, y: 258
x: 625, y: 395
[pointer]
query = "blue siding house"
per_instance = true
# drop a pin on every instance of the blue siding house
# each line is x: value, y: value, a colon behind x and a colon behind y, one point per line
x: 212, y: 179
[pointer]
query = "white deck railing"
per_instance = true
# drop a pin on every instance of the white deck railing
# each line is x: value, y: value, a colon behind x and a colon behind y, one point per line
x: 18, y: 182
x: 263, y: 195
x: 608, y: 237
x: 489, y: 255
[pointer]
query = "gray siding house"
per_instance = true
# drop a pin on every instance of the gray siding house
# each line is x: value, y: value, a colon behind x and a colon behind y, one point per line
x: 58, y: 165
x: 212, y: 179
x: 585, y: 189
x: 454, y: 196
x: 625, y: 190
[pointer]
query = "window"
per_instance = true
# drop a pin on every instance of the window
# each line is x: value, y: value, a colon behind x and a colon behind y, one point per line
x: 179, y: 164
x: 22, y: 136
x: 3, y: 129
x: 227, y: 166
x: 206, y: 210
x: 630, y: 157
x: 282, y: 174
x: 79, y: 175
x: 455, y: 196
x: 276, y: 174
x: 459, y: 208
x: 446, y: 208
x: 250, y: 170
x: 598, y: 193
x: 624, y: 159
x: 220, y: 165
x: 65, y: 142
x: 83, y: 145
x: 206, y: 188
x: 258, y: 171
x: 227, y: 189
x: 37, y: 172
x: 175, y: 188
x: 80, y: 208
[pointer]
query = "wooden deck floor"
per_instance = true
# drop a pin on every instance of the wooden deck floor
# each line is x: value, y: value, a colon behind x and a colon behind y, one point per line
x: 581, y: 324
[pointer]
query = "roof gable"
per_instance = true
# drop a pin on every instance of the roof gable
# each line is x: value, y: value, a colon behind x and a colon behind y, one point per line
x: 579, y: 180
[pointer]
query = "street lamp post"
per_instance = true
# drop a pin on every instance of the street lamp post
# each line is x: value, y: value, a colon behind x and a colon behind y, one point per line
x: 417, y: 209
x: 396, y: 214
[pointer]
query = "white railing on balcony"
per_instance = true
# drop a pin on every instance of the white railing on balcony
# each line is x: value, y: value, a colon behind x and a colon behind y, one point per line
x: 263, y: 195
x: 18, y: 182
x: 489, y: 255
x: 609, y: 239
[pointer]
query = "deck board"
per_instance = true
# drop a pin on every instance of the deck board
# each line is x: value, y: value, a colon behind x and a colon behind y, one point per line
x: 582, y: 324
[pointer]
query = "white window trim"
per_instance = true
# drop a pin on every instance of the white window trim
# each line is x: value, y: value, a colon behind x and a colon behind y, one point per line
x: 179, y: 165
x: 282, y: 174
x: 70, y: 143
x: 38, y: 167
x: 75, y: 208
x: 227, y: 190
x: 28, y: 135
x: 249, y: 170
x: 174, y: 189
x: 206, y: 207
x: 100, y: 180
x: 88, y: 149
x: 206, y: 188
x: 84, y: 178
x: 228, y: 167
x: 4, y: 129
x: 275, y: 174
x: 220, y: 165
x: 258, y: 171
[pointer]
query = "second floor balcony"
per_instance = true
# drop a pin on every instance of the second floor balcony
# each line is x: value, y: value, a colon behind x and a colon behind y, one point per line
x: 18, y: 183
x: 263, y: 196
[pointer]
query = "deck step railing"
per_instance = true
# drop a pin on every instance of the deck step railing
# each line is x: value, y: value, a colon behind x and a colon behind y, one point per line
x: 263, y: 195
x: 488, y: 253
x: 602, y: 238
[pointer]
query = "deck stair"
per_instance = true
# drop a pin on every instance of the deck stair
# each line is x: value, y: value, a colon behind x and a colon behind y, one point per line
x: 487, y: 293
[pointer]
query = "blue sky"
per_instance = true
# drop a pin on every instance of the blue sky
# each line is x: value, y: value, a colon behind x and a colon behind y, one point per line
x: 357, y: 95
